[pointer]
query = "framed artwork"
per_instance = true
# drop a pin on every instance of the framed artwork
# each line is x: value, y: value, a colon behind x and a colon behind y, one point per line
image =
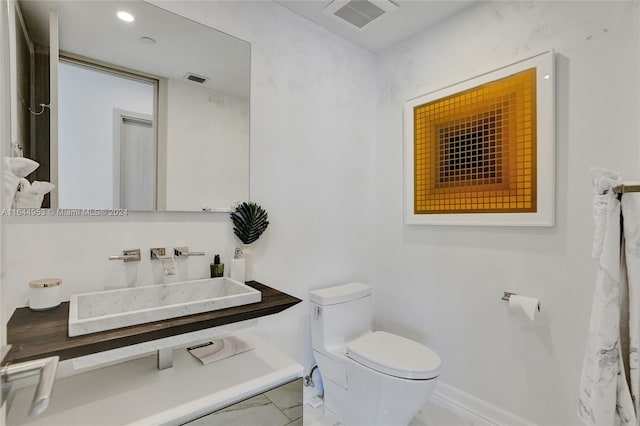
x: 482, y: 151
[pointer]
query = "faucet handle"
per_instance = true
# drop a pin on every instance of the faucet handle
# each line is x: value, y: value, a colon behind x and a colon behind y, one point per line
x: 128, y: 256
x: 182, y: 252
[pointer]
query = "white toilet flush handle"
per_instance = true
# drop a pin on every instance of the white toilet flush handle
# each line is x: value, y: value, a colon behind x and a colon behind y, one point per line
x: 316, y: 312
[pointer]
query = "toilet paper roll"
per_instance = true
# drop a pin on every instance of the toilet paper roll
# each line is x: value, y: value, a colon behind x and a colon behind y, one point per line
x: 528, y: 305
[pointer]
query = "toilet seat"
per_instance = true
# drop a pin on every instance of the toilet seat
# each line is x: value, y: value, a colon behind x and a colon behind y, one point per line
x: 395, y: 356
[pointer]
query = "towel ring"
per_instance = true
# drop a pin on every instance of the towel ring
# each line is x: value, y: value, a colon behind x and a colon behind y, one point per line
x: 42, y: 108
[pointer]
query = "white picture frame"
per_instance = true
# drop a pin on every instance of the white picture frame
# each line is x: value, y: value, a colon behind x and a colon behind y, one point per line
x: 545, y: 149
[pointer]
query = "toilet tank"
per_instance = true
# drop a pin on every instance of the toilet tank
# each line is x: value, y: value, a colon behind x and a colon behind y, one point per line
x: 339, y: 314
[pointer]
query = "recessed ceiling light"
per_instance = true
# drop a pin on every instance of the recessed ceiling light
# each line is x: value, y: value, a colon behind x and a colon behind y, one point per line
x: 126, y: 16
x: 148, y: 40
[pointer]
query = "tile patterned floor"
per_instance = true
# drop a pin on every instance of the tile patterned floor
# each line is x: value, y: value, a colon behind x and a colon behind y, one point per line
x: 283, y: 407
x: 278, y: 407
x: 430, y: 415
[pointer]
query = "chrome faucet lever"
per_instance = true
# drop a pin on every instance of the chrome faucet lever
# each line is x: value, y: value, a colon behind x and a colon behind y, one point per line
x: 132, y: 255
x: 182, y: 252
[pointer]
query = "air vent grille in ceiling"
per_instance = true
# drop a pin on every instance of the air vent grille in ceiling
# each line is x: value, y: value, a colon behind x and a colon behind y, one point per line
x: 359, y: 12
x: 195, y: 78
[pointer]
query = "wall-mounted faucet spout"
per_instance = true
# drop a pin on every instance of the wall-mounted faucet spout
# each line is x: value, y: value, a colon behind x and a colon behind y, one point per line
x: 157, y: 253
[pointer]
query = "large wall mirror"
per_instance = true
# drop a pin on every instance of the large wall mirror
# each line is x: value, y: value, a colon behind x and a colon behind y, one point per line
x: 150, y: 110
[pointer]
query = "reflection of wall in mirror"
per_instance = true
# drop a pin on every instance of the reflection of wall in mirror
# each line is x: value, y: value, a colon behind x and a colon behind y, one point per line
x: 86, y: 132
x: 40, y: 151
x: 208, y: 148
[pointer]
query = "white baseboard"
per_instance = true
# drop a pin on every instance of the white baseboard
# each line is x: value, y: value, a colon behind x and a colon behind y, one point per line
x: 476, y: 409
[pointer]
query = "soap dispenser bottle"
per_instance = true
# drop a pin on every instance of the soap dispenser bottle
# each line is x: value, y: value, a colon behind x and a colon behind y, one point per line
x: 217, y: 268
x: 238, y: 265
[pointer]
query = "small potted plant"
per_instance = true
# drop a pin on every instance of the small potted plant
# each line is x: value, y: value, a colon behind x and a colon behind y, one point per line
x: 249, y: 222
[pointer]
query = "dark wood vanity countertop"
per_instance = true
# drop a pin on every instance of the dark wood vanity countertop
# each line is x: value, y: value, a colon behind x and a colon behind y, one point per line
x: 45, y: 333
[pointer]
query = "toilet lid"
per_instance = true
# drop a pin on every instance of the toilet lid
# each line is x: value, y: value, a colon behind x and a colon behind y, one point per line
x: 395, y: 356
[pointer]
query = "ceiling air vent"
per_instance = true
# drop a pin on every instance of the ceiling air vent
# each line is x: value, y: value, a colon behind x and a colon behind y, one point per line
x: 195, y: 78
x: 359, y: 13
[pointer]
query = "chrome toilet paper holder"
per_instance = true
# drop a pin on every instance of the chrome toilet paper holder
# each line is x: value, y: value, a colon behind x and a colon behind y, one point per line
x: 507, y: 295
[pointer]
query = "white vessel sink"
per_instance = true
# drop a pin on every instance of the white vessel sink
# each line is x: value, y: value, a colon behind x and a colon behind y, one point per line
x: 110, y: 309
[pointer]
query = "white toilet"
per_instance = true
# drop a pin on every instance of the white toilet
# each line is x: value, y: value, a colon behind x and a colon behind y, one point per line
x: 370, y: 378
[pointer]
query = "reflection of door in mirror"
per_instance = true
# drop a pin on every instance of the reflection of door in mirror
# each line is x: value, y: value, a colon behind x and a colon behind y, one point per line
x: 134, y: 171
x: 107, y: 148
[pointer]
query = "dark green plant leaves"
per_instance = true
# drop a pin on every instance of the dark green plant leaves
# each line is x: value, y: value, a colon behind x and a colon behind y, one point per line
x: 249, y: 222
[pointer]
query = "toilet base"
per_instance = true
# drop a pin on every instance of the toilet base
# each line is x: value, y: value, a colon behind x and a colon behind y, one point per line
x: 373, y: 398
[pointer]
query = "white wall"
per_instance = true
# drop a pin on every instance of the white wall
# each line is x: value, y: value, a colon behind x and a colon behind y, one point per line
x: 208, y: 148
x: 312, y: 142
x: 442, y: 285
x: 85, y: 148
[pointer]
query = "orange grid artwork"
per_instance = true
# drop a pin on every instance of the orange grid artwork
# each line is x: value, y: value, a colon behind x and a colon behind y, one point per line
x: 475, y: 151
